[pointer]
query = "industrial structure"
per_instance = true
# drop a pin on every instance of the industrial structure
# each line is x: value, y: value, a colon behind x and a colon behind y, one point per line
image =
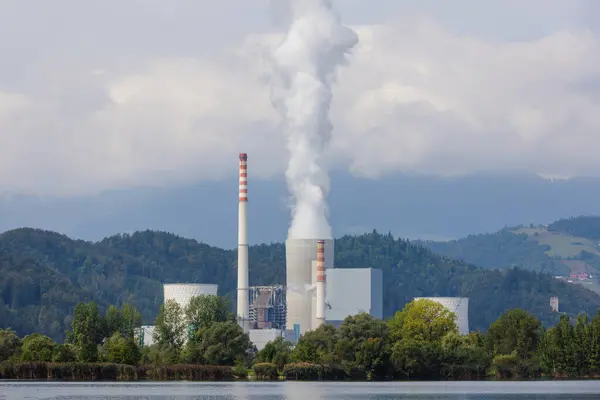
x: 243, y: 309
x: 145, y: 335
x: 457, y: 305
x: 320, y: 285
x: 554, y: 303
x: 353, y: 290
x: 267, y: 307
x: 301, y: 275
x: 315, y: 292
x: 182, y: 293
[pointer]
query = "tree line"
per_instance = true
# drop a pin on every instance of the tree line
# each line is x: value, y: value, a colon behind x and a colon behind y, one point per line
x: 203, y: 340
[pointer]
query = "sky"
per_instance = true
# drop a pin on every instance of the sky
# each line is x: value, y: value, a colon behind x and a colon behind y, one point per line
x: 111, y: 94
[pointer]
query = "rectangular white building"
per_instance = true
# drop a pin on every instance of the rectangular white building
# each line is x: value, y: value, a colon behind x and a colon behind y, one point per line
x: 351, y: 291
x: 260, y: 337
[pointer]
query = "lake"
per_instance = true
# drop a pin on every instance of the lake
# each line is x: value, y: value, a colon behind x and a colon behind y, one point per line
x: 552, y: 390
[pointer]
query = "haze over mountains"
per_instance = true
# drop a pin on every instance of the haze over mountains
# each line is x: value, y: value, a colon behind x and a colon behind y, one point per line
x: 410, y: 206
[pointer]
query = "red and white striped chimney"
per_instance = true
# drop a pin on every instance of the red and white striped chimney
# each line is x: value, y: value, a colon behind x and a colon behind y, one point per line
x: 320, y: 317
x: 242, y: 288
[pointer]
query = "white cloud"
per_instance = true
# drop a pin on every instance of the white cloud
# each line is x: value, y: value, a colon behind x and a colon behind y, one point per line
x: 415, y: 97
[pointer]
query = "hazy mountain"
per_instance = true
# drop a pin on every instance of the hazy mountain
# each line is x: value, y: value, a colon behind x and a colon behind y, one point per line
x: 413, y: 206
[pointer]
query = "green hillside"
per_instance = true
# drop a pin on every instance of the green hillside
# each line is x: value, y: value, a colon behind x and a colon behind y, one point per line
x: 567, y: 245
x: 44, y: 274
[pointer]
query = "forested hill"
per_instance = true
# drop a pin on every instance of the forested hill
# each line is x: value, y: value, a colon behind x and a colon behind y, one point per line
x: 44, y: 274
x: 567, y: 244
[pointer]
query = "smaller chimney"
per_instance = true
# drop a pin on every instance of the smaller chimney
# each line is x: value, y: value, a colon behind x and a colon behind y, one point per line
x: 320, y: 317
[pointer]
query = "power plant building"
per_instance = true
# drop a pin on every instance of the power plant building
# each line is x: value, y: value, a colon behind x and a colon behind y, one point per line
x: 351, y: 291
x: 301, y: 273
x: 457, y: 305
x: 260, y: 337
x: 267, y: 307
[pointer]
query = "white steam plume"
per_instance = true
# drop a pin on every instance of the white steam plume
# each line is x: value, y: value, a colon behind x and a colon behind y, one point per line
x: 305, y: 64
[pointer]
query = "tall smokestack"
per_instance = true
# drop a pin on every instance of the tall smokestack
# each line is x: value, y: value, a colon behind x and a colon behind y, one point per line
x: 320, y: 314
x: 242, y: 288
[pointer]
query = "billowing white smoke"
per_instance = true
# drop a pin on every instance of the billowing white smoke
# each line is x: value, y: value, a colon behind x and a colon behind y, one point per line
x: 305, y: 64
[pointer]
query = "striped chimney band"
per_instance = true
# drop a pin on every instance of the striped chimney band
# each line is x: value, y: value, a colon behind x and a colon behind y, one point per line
x: 320, y: 261
x: 243, y: 177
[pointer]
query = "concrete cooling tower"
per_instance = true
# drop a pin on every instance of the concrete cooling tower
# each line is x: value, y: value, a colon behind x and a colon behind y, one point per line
x: 459, y: 306
x: 182, y: 293
x: 299, y: 257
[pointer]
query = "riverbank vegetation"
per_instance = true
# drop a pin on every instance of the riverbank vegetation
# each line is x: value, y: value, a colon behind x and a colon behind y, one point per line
x: 203, y: 342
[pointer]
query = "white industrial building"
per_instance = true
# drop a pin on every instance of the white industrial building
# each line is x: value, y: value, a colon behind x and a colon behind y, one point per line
x: 145, y: 335
x: 182, y: 293
x: 351, y: 291
x: 260, y: 337
x: 457, y: 305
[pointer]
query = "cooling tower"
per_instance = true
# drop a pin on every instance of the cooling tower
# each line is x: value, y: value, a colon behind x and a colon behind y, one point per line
x: 459, y: 306
x: 183, y: 292
x: 299, y: 257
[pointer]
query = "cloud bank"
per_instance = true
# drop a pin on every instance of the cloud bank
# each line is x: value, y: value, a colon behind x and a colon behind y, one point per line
x: 156, y: 94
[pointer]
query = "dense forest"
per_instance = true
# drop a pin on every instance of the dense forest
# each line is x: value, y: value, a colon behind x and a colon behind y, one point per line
x: 43, y: 275
x: 503, y: 249
x: 582, y: 226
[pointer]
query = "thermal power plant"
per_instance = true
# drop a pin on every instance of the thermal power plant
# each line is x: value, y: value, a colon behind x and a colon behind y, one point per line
x: 300, y: 285
x: 457, y: 305
x: 351, y: 291
x: 267, y: 307
x: 243, y: 309
x: 182, y: 293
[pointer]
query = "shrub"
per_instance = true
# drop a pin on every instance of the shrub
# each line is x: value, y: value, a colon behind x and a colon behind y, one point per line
x: 240, y: 371
x: 265, y: 371
x: 303, y: 371
x: 189, y: 372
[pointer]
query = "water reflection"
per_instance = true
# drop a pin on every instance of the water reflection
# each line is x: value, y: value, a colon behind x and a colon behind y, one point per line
x: 583, y: 390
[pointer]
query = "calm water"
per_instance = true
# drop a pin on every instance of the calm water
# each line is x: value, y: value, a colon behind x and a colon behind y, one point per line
x: 582, y: 390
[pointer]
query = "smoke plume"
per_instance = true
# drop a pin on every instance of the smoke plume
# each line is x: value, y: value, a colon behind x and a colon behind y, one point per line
x: 305, y: 62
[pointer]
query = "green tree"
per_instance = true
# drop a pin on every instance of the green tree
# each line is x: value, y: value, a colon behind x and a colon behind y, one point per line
x: 37, y: 347
x: 225, y: 343
x: 362, y: 345
x: 422, y: 320
x: 131, y: 320
x: 88, y: 331
x: 417, y: 359
x: 205, y: 310
x: 113, y: 321
x: 514, y: 340
x: 170, y: 329
x: 317, y: 346
x: 64, y: 353
x: 516, y: 330
x: 121, y: 350
x: 278, y: 352
x: 10, y: 344
x: 582, y: 344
